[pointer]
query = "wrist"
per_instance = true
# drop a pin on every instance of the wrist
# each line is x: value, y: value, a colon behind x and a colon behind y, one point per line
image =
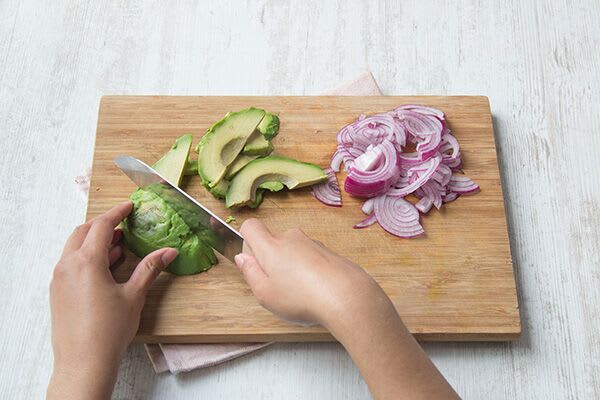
x: 93, y: 379
x: 359, y: 301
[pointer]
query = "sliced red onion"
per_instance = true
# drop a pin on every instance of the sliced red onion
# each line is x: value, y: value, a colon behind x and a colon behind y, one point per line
x: 372, y: 149
x: 424, y: 110
x: 425, y: 172
x: 398, y: 216
x: 369, y: 159
x: 449, y: 143
x: 424, y: 205
x: 368, y: 205
x: 450, y: 197
x: 454, y: 165
x: 419, y: 125
x: 378, y: 180
x: 370, y: 220
x: 433, y: 193
x: 462, y: 184
x: 328, y: 192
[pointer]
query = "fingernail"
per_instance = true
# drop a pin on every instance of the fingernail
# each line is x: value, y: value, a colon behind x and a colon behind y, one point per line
x: 168, y: 256
x: 239, y: 260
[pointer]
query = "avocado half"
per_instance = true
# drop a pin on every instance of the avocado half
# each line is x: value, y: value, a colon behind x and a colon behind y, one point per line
x: 157, y: 220
x: 291, y: 173
x: 154, y: 224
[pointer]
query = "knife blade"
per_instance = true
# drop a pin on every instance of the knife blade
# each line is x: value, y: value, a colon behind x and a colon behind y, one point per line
x: 221, y: 237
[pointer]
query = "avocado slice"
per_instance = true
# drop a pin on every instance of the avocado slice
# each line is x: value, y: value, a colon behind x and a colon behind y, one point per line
x: 191, y: 167
x: 269, y: 126
x: 291, y: 173
x: 223, y: 142
x: 239, y: 163
x: 257, y: 145
x: 171, y: 166
x: 220, y: 190
x: 262, y: 188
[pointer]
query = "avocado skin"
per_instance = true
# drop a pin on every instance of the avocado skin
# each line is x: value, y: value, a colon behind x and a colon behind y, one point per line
x: 154, y: 224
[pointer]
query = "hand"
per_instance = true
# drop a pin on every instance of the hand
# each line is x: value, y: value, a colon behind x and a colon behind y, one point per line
x: 298, y: 279
x: 301, y: 280
x: 93, y: 317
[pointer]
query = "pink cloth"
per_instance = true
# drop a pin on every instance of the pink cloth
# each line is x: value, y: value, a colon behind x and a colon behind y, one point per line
x: 178, y: 358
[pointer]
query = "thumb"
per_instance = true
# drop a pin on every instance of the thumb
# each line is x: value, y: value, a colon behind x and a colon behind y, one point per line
x: 148, y: 269
x: 252, y: 271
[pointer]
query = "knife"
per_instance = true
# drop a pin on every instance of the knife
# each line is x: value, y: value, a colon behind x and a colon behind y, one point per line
x: 224, y: 238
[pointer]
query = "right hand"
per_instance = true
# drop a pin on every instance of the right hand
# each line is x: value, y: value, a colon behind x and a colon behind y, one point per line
x: 298, y: 279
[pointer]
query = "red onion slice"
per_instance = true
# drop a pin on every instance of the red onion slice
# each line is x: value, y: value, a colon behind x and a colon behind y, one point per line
x: 450, y: 197
x: 462, y: 184
x: 368, y: 205
x: 424, y: 205
x: 398, y: 216
x: 370, y: 220
x: 328, y: 192
x: 424, y: 110
x: 378, y: 180
x: 426, y: 171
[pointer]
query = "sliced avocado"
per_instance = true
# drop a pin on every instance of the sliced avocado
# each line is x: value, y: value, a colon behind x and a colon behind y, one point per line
x: 223, y: 142
x: 257, y: 145
x: 262, y: 188
x: 239, y: 163
x: 191, y: 167
x: 220, y: 190
x: 292, y: 173
x: 172, y: 164
x: 272, y: 186
x: 269, y: 126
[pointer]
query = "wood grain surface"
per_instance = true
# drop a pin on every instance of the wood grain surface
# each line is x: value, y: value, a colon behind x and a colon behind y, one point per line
x: 455, y: 283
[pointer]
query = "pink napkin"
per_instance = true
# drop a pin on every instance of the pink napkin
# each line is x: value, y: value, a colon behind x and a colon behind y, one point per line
x: 178, y: 358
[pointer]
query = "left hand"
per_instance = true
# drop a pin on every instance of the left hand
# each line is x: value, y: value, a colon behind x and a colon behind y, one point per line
x: 95, y: 318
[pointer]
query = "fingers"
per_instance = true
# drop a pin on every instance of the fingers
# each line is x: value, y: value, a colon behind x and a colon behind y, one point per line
x: 148, y: 269
x: 257, y: 236
x: 114, y: 254
x: 102, y: 230
x: 254, y: 275
x: 76, y: 239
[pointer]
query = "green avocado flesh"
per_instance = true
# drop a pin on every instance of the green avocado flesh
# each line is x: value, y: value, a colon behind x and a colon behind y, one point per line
x: 222, y: 143
x: 154, y: 224
x: 157, y: 220
x: 257, y: 145
x: 191, y: 167
x: 239, y: 163
x: 269, y: 126
x: 291, y: 173
x: 262, y: 188
x: 170, y: 165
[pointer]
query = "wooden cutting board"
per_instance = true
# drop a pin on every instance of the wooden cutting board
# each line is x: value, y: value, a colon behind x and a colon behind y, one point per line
x: 455, y: 283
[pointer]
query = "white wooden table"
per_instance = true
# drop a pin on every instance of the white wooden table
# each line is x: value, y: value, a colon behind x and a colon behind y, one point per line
x: 538, y: 62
